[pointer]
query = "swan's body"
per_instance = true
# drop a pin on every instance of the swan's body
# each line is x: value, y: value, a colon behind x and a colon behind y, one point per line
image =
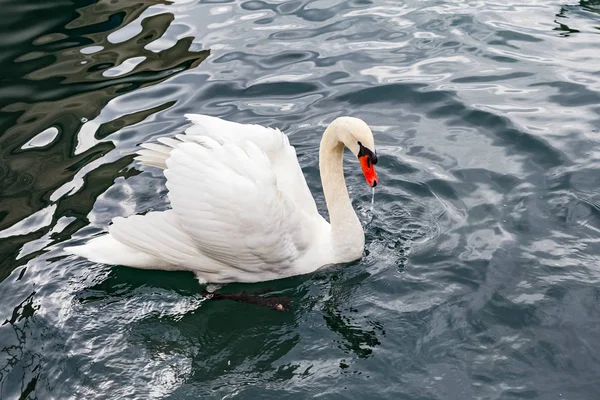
x: 241, y: 208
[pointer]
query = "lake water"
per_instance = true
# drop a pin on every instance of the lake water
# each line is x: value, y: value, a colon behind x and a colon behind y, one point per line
x: 481, y: 273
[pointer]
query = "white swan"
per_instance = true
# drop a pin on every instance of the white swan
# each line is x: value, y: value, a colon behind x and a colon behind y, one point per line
x: 241, y: 208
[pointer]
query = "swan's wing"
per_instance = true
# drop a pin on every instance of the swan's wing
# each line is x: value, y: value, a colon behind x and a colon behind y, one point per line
x: 157, y: 240
x: 229, y: 203
x: 272, y: 142
x: 157, y: 233
x: 160, y: 234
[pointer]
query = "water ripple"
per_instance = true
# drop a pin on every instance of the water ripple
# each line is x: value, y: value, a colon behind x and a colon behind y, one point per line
x: 482, y: 250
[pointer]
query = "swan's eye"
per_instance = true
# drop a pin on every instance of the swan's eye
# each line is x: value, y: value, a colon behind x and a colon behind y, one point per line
x: 363, y: 151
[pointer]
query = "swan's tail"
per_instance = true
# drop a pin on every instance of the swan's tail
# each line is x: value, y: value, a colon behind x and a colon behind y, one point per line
x: 106, y: 249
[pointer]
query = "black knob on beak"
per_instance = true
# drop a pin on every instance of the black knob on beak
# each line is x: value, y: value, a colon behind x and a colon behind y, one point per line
x: 374, y: 158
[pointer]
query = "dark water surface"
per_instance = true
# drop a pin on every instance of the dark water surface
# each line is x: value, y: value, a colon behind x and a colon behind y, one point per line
x: 482, y: 267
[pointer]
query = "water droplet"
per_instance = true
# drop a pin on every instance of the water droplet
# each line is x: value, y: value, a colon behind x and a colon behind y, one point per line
x: 372, y: 198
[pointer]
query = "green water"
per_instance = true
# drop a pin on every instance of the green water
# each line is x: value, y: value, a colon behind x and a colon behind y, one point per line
x: 481, y: 268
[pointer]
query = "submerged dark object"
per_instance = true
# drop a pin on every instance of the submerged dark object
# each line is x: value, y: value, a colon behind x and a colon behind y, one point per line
x: 275, y: 302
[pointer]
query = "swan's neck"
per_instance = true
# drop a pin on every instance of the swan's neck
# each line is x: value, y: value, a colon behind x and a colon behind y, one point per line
x: 347, y: 233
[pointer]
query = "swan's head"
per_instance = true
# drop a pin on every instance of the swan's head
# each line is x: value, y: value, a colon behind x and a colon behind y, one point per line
x: 357, y: 136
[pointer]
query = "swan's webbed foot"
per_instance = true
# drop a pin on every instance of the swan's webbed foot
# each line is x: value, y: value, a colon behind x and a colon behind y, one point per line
x: 274, y: 302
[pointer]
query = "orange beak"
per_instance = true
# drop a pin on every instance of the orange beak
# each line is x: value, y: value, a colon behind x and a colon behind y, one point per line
x: 369, y: 170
